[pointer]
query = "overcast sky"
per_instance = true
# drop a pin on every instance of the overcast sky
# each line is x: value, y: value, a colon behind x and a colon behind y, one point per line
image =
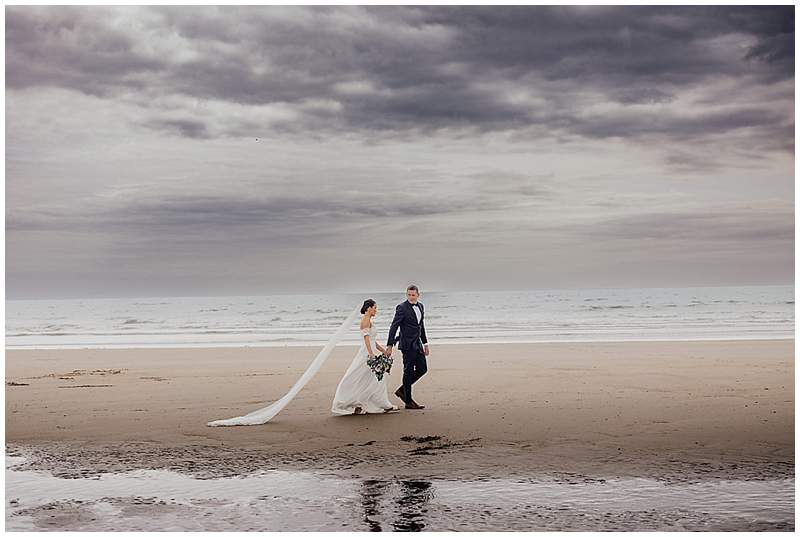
x: 250, y: 150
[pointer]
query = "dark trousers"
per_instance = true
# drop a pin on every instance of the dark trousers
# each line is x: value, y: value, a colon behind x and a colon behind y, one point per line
x: 414, y: 366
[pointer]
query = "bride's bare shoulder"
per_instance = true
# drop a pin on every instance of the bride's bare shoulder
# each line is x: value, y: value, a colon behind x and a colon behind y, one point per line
x: 365, y: 322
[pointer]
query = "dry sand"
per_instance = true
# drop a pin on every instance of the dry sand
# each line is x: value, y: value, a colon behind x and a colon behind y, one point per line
x: 674, y: 410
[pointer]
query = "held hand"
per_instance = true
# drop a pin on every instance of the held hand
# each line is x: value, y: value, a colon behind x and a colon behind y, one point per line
x: 389, y: 350
x: 426, y: 350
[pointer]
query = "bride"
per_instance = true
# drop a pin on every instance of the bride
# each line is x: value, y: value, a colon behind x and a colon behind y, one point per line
x: 360, y: 391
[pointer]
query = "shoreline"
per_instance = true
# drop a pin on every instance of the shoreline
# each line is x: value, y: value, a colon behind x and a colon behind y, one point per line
x: 355, y: 344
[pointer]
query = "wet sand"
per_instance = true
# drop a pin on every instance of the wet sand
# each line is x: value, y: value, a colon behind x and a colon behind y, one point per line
x: 676, y: 411
x: 306, y: 501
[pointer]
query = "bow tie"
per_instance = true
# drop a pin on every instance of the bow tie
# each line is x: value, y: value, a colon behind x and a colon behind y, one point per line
x: 415, y: 304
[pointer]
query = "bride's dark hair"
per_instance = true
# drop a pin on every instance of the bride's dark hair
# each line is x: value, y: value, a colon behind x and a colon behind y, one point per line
x: 368, y: 303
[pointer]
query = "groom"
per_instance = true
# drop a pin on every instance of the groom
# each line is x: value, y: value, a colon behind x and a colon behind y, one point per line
x: 409, y: 317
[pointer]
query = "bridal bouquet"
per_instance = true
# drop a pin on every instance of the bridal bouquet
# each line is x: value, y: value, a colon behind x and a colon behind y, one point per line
x: 380, y: 365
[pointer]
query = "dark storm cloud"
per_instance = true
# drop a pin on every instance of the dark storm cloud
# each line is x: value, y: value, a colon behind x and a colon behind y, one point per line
x: 624, y: 43
x: 69, y: 47
x: 414, y: 69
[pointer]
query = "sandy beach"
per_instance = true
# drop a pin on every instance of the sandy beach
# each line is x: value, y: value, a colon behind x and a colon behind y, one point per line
x: 676, y: 410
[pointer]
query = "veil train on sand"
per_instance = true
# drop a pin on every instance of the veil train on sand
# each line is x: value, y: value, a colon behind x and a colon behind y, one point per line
x: 263, y: 415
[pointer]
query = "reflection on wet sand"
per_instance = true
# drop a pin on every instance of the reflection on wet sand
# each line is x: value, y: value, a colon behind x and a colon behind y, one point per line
x: 410, y: 505
x: 371, y: 492
x: 413, y: 503
x: 302, y: 501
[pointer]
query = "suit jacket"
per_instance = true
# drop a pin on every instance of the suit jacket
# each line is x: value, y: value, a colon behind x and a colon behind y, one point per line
x: 412, y: 333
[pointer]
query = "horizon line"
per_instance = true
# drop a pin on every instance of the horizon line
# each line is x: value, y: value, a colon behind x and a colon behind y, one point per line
x: 422, y: 293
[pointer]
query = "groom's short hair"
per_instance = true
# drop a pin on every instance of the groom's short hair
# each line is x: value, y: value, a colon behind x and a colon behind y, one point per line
x: 412, y: 288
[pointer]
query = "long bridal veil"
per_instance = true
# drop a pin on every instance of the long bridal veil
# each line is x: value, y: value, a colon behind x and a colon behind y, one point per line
x: 263, y: 415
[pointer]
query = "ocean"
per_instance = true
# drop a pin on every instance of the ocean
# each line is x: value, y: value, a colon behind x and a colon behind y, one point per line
x: 641, y: 314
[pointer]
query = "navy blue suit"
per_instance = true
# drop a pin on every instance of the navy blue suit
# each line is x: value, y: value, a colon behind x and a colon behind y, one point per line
x: 412, y: 336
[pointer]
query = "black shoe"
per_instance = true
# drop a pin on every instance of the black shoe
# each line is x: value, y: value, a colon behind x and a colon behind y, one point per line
x: 399, y: 394
x: 414, y: 406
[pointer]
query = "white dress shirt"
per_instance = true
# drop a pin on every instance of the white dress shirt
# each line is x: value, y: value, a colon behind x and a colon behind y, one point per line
x: 417, y: 311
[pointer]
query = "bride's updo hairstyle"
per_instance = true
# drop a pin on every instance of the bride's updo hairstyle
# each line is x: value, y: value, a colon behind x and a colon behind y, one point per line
x: 368, y: 303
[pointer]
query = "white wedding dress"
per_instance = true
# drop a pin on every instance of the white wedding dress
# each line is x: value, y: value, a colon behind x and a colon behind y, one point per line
x: 359, y: 386
x: 263, y: 415
x: 355, y: 386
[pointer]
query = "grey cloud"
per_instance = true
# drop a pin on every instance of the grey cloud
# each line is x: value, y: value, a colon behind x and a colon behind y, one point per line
x: 704, y: 124
x: 185, y: 127
x: 713, y: 227
x: 422, y: 66
x: 554, y: 140
x: 288, y: 212
x: 776, y: 51
x: 68, y: 47
x: 538, y: 186
x: 643, y: 95
x: 684, y: 162
x: 614, y: 46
